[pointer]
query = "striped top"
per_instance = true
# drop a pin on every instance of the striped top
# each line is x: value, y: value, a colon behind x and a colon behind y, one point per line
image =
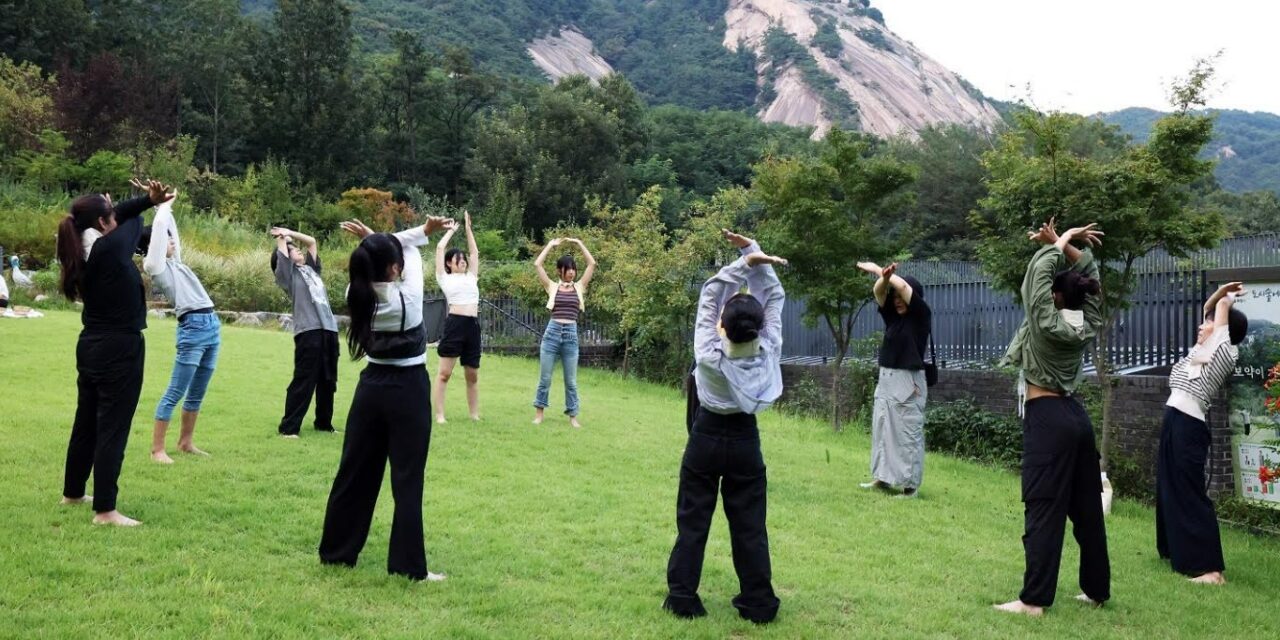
x: 566, y: 305
x: 1196, y: 378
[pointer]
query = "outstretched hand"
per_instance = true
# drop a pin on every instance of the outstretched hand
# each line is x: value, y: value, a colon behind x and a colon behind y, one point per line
x: 887, y: 272
x: 436, y: 223
x: 871, y: 268
x: 466, y: 218
x: 356, y: 228
x: 737, y: 240
x: 757, y: 258
x: 158, y: 192
x: 1089, y: 233
x: 1046, y: 234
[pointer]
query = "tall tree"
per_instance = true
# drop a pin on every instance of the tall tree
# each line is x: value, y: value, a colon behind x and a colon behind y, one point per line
x: 823, y: 214
x: 457, y: 91
x: 1064, y: 166
x: 216, y: 41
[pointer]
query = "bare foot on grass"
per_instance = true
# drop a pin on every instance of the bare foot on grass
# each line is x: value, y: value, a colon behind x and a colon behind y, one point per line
x: 1214, y: 577
x: 115, y: 518
x: 1018, y: 606
x: 85, y: 499
x: 161, y: 457
x: 192, y: 449
x: 573, y: 420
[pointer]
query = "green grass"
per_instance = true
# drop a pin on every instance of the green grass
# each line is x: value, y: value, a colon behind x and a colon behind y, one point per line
x: 544, y: 532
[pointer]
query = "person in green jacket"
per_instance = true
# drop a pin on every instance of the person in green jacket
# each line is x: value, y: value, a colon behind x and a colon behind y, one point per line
x: 1061, y: 477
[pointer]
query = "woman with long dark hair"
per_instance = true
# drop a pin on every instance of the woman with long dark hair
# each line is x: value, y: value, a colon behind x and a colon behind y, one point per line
x: 458, y: 275
x: 96, y: 242
x: 1061, y: 479
x: 897, y: 417
x: 390, y: 416
x: 1186, y: 524
x: 566, y: 300
x: 198, y: 336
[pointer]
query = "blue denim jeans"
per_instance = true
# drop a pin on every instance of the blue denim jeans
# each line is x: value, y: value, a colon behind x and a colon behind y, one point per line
x: 559, y: 342
x: 198, y: 342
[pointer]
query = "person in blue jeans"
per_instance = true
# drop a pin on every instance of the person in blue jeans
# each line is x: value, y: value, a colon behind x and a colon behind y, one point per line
x: 565, y: 300
x: 198, y: 336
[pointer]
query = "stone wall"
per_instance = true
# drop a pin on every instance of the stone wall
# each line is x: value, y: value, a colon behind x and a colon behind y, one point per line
x: 1137, y: 414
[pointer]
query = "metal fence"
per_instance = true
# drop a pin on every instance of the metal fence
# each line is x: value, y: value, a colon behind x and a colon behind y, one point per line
x: 508, y: 322
x: 973, y: 323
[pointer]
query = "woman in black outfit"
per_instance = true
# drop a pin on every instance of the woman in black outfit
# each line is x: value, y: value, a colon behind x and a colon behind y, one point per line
x: 96, y: 242
x: 390, y: 415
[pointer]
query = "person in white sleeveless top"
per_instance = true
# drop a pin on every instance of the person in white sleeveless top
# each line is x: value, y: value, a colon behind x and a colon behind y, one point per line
x: 458, y: 275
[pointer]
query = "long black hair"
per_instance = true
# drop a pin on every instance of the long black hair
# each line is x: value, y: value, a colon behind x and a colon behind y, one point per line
x: 371, y: 263
x: 85, y: 213
x: 1074, y: 288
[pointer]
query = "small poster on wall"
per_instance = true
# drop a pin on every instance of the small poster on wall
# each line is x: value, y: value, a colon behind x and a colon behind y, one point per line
x: 1255, y: 395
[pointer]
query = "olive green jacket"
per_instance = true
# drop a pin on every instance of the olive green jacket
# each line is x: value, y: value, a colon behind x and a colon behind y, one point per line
x: 1047, y: 348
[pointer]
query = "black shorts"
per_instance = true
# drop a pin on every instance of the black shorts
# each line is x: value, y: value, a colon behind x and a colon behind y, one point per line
x: 461, y: 340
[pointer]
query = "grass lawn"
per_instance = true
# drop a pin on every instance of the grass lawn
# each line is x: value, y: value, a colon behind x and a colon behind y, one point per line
x: 543, y: 531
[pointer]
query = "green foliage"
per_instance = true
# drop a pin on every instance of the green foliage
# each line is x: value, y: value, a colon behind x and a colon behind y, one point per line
x: 950, y: 183
x: 827, y: 37
x: 26, y: 106
x: 29, y: 222
x: 810, y: 394
x: 105, y: 172
x: 782, y: 50
x: 825, y: 213
x: 170, y: 163
x: 1246, y: 213
x: 964, y: 430
x: 1249, y: 513
x: 875, y: 38
x: 1132, y: 476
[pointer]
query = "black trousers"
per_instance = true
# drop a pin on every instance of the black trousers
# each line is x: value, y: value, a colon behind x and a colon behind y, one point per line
x: 1061, y: 479
x: 315, y: 371
x: 723, y: 453
x: 1186, y: 524
x: 108, y: 385
x: 390, y: 419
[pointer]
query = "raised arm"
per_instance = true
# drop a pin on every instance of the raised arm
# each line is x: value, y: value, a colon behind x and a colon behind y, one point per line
x: 591, y: 263
x: 1212, y: 304
x: 1037, y: 288
x: 412, y: 240
x: 307, y: 241
x: 157, y: 249
x: 284, y: 263
x: 473, y: 252
x: 441, y: 248
x: 765, y: 286
x: 542, y: 257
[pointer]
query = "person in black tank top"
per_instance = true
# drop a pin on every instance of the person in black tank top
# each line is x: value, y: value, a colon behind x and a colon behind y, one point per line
x: 96, y: 241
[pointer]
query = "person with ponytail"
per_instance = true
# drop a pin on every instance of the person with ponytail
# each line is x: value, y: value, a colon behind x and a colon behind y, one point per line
x: 96, y: 242
x: 566, y: 300
x: 315, y: 332
x: 897, y: 416
x: 1186, y: 524
x: 458, y: 276
x: 198, y: 335
x: 390, y: 415
x: 737, y: 345
x: 1061, y: 478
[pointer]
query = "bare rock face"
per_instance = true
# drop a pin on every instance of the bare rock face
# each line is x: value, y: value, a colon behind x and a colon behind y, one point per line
x: 567, y: 54
x: 897, y: 88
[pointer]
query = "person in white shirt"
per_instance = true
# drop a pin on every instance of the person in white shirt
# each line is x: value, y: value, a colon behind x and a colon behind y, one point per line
x: 390, y: 415
x: 1186, y: 524
x: 458, y: 275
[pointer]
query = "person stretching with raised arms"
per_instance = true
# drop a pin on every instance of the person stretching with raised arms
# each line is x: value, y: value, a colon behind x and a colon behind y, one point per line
x: 315, y: 332
x: 566, y: 301
x: 458, y: 275
x: 198, y: 335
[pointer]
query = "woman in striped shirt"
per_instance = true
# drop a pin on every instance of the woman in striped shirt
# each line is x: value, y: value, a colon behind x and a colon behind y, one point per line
x: 1186, y: 525
x: 560, y: 338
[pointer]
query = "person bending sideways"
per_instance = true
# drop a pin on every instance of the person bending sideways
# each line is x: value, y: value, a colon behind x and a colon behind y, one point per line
x: 737, y: 348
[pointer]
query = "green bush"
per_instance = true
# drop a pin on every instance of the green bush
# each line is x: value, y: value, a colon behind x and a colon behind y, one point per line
x: 1249, y: 513
x: 29, y: 222
x: 964, y: 430
x: 1132, y: 477
x: 875, y: 38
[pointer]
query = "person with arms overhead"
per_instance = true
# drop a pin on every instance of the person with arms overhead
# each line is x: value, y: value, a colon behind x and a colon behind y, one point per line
x: 315, y: 332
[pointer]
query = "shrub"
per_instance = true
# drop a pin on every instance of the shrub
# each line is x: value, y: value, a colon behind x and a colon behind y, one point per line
x: 875, y: 38
x: 29, y: 222
x: 1132, y: 476
x: 1249, y: 513
x: 964, y: 430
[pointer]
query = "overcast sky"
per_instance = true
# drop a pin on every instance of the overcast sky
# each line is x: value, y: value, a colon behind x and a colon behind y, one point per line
x: 1088, y: 56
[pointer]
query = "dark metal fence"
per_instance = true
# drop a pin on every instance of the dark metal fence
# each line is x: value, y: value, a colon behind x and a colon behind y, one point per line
x: 508, y: 322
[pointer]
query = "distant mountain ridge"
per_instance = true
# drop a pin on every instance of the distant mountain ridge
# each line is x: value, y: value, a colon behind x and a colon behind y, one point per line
x: 1246, y: 145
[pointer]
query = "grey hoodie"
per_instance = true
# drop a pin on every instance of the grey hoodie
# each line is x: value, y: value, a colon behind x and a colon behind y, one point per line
x: 747, y: 383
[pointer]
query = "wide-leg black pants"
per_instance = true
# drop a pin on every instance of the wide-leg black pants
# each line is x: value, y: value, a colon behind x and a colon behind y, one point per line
x: 1186, y: 524
x: 1061, y: 479
x: 109, y: 383
x: 315, y: 372
x: 723, y: 454
x: 390, y: 419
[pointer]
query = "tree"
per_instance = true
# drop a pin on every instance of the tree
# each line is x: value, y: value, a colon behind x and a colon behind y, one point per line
x: 404, y: 103
x: 456, y: 93
x: 1064, y: 166
x: 215, y: 43
x: 26, y: 106
x: 951, y: 181
x: 825, y: 213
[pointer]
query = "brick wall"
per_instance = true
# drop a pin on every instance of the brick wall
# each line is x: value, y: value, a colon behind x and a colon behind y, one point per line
x: 1137, y: 413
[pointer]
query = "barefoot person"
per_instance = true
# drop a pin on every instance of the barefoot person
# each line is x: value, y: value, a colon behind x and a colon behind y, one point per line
x: 96, y: 242
x: 566, y: 301
x: 390, y: 416
x: 897, y: 417
x: 315, y: 332
x: 458, y: 275
x: 738, y: 349
x: 1061, y: 479
x: 1186, y: 525
x: 198, y: 337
